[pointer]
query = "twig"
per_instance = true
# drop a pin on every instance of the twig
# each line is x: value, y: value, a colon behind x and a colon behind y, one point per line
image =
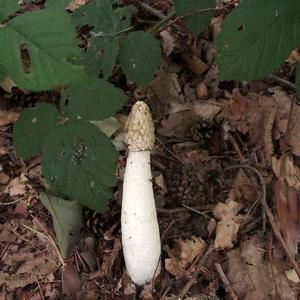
x: 196, y: 211
x: 271, y: 218
x: 264, y: 194
x: 151, y: 10
x: 40, y: 289
x: 196, y: 273
x: 181, y: 209
x: 50, y: 240
x: 271, y: 263
x: 283, y: 81
x: 226, y: 282
x: 12, y: 202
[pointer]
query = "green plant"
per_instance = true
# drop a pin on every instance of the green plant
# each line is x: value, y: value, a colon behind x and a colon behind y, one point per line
x: 256, y: 38
x: 39, y: 51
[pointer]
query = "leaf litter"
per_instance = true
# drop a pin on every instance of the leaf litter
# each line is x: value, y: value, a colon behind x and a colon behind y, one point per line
x: 249, y: 124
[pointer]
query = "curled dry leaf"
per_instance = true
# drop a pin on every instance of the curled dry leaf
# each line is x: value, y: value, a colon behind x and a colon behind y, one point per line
x: 168, y: 42
x: 16, y: 187
x: 8, y: 117
x: 292, y: 172
x: 207, y: 110
x: 228, y: 224
x: 182, y: 255
x: 237, y: 107
x: 287, y: 214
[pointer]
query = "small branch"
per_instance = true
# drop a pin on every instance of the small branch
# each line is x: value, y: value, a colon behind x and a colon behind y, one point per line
x: 226, y: 282
x: 151, y: 10
x: 196, y: 273
x: 264, y: 193
x: 283, y: 81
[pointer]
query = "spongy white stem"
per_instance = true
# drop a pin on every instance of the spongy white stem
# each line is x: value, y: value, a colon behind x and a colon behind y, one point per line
x: 140, y: 231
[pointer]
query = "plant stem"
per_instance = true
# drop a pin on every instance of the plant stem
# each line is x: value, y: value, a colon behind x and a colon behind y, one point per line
x: 163, y: 21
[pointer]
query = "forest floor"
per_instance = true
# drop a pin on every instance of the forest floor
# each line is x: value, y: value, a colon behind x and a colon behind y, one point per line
x: 226, y: 172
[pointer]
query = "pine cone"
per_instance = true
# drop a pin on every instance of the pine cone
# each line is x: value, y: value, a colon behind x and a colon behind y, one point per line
x: 184, y: 185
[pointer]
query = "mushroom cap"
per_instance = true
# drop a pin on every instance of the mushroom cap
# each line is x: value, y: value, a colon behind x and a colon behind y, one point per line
x: 139, y: 128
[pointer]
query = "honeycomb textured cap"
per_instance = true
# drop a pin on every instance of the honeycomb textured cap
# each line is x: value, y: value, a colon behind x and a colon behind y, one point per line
x: 139, y: 128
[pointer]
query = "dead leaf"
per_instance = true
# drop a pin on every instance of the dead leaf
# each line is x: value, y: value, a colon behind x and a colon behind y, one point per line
x: 29, y: 265
x: 71, y: 281
x: 7, y: 84
x: 75, y: 4
x: 8, y: 117
x: 292, y: 275
x: 250, y: 274
x: 182, y: 255
x: 287, y: 213
x: 3, y: 178
x: 228, y: 226
x: 16, y: 187
x: 21, y: 209
x: 167, y: 42
x: 237, y: 107
x: 6, y: 236
x: 195, y: 64
x: 207, y: 110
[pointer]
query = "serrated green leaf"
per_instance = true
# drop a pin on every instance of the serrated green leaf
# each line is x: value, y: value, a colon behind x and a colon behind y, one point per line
x: 79, y: 161
x: 298, y: 80
x: 67, y: 221
x: 256, y: 37
x: 8, y: 7
x: 49, y: 44
x: 101, y: 55
x: 94, y: 99
x: 140, y: 57
x: 198, y: 20
x: 32, y: 128
x: 57, y: 3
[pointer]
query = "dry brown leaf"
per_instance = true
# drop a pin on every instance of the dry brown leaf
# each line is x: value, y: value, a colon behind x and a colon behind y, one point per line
x: 195, y: 64
x: 7, y: 84
x: 291, y: 171
x: 74, y: 4
x: 207, y: 110
x: 3, y: 178
x: 16, y: 187
x: 250, y: 274
x: 7, y: 236
x: 237, y: 107
x: 287, y: 213
x: 167, y: 42
x: 29, y: 265
x: 8, y: 117
x: 182, y: 255
x: 228, y: 226
x: 71, y: 282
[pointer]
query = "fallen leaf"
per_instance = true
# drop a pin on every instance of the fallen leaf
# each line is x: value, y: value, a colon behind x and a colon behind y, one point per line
x: 71, y: 282
x: 167, y: 42
x: 3, y: 178
x: 228, y: 224
x: 7, y: 84
x: 292, y: 275
x: 8, y: 117
x: 75, y: 4
x: 237, y: 107
x: 182, y: 255
x: 16, y: 187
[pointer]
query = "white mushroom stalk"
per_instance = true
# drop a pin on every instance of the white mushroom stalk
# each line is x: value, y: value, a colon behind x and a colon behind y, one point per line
x: 140, y: 231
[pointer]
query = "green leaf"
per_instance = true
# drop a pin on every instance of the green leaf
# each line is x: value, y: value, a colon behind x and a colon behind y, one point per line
x: 8, y: 7
x: 298, y: 80
x: 107, y: 24
x: 94, y: 99
x: 47, y: 38
x: 197, y: 21
x: 140, y: 57
x: 3, y: 73
x: 32, y: 128
x: 67, y: 221
x: 256, y: 38
x: 79, y: 161
x: 57, y: 3
x: 101, y: 54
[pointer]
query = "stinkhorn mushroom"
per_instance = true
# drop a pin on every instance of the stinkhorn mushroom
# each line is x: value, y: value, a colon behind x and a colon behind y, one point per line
x: 140, y: 231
